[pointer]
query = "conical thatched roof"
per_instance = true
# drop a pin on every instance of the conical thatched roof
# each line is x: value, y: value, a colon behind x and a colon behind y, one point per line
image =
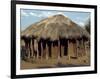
x: 55, y: 27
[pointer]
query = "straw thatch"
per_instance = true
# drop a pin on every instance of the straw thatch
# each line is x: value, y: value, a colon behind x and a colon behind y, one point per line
x: 54, y: 28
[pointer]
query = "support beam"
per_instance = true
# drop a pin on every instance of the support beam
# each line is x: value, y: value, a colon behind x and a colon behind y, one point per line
x: 28, y: 49
x: 36, y: 48
x: 59, y: 50
x: 84, y: 53
x: 31, y: 45
x: 49, y: 48
x: 39, y: 48
x: 47, y: 52
x: 62, y: 48
x: 69, y: 50
x: 65, y: 47
x: 77, y: 47
x: 44, y: 48
x: 33, y: 48
x: 50, y: 52
x: 81, y: 48
x: 85, y: 48
x: 52, y: 49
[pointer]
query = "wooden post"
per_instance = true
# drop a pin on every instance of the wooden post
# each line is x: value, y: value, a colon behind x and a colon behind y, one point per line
x: 47, y: 48
x: 85, y: 47
x: 82, y: 48
x: 31, y: 45
x: 70, y: 47
x: 77, y: 49
x: 65, y: 47
x: 28, y: 49
x: 44, y: 49
x: 59, y: 50
x: 68, y: 50
x: 33, y: 48
x: 56, y: 51
x: 62, y: 49
x: 84, y: 53
x: 36, y: 48
x: 41, y: 49
x: 51, y: 49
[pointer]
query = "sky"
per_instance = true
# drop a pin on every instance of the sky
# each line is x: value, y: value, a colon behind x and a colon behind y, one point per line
x: 30, y: 16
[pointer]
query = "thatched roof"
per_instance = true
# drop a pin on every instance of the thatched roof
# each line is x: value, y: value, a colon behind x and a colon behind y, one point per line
x: 55, y: 27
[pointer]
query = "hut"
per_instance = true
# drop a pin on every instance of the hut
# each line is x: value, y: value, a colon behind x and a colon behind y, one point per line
x: 55, y: 37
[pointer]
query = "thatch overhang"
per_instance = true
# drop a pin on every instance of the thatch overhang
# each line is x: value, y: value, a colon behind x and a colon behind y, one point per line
x: 54, y: 28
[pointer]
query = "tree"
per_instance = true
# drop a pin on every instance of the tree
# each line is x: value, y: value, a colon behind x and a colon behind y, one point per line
x: 88, y: 26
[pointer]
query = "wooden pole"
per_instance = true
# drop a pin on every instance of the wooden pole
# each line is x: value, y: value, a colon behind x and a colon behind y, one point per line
x: 68, y: 50
x: 51, y: 49
x: 33, y: 48
x: 62, y: 49
x: 59, y: 50
x: 82, y: 48
x: 77, y: 50
x: 47, y: 48
x: 44, y: 48
x: 36, y: 48
x: 28, y: 49
x: 85, y: 47
x: 41, y: 49
x: 31, y: 45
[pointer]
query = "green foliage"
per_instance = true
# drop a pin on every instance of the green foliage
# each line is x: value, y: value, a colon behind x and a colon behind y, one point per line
x: 87, y: 26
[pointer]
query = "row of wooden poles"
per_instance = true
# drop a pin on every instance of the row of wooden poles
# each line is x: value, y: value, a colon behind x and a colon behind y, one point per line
x: 54, y: 49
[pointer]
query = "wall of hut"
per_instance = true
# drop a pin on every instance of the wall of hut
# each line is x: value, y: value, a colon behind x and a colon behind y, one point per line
x: 73, y: 48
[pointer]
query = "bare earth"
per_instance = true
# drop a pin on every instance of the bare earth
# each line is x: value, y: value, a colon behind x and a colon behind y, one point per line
x: 52, y: 63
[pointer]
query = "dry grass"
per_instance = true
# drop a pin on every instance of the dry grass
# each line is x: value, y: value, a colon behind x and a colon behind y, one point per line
x: 55, y: 27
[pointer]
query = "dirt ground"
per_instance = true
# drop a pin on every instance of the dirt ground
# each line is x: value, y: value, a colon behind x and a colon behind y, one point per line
x: 54, y: 62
